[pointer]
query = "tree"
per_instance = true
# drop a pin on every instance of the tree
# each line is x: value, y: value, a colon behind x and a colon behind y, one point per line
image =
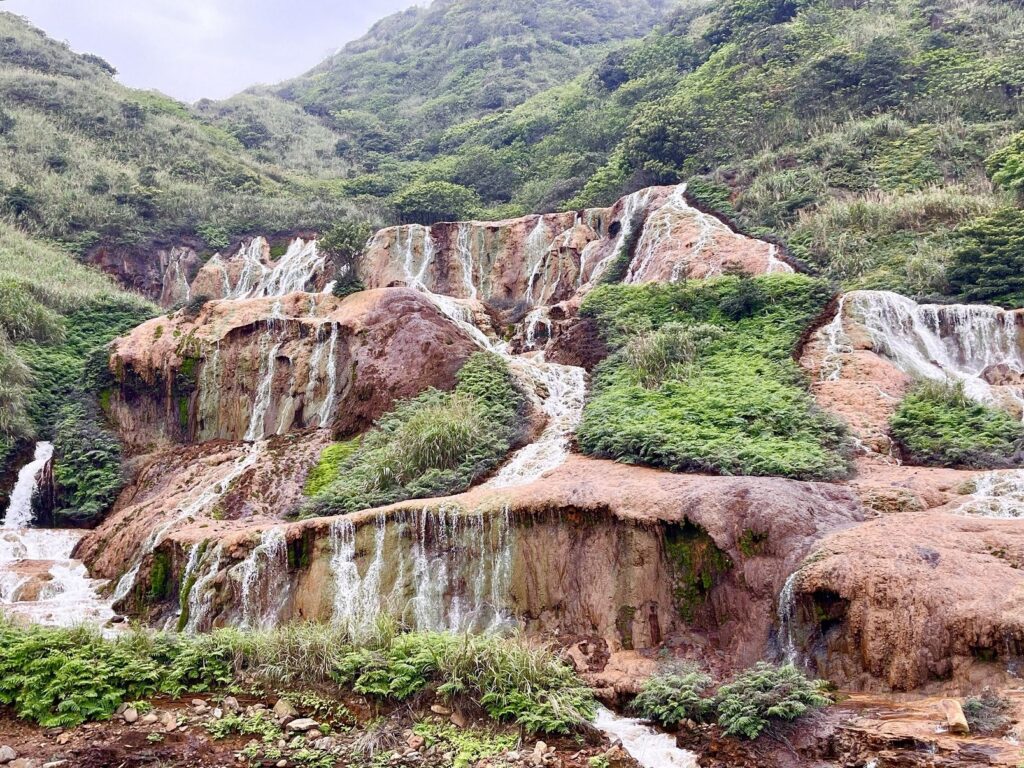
x: 344, y: 242
x: 988, y: 263
x: 426, y: 202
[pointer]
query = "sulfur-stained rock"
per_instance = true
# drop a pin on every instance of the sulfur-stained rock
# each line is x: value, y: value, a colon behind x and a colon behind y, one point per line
x: 956, y: 722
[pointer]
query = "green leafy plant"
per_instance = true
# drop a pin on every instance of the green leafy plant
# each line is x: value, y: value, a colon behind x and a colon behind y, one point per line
x: 938, y: 424
x: 702, y: 379
x: 670, y: 697
x: 435, y: 444
x: 765, y: 694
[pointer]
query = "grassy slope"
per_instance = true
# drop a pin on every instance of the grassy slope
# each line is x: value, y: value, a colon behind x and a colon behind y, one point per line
x: 88, y: 160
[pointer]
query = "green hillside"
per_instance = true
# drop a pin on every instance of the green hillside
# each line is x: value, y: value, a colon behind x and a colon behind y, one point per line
x: 857, y: 131
x: 87, y: 160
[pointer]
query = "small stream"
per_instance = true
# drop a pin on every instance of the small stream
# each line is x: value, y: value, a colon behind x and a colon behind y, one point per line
x: 648, y: 746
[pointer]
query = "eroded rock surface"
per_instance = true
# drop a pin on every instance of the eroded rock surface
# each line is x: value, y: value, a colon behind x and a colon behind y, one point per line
x: 254, y: 368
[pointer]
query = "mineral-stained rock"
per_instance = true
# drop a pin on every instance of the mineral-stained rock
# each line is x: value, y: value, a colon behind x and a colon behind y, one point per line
x: 260, y: 367
x: 906, y: 599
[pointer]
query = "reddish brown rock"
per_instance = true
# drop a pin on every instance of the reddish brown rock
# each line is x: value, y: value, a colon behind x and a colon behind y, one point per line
x: 259, y: 367
x: 907, y: 599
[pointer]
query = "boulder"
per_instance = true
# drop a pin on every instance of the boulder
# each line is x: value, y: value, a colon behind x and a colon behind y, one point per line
x: 301, y: 725
x: 7, y: 754
x: 956, y: 722
x: 285, y: 712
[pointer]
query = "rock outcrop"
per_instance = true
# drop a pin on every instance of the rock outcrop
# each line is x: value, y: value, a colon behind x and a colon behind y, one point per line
x: 249, y: 369
x: 913, y: 598
x: 622, y: 557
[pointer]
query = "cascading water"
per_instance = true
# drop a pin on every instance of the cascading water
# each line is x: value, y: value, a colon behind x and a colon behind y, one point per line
x: 786, y: 611
x: 39, y: 581
x: 204, y: 500
x: 564, y: 393
x: 955, y: 343
x: 263, y: 577
x: 634, y: 204
x: 297, y: 270
x: 560, y: 389
x: 649, y: 747
x: 996, y: 494
x: 258, y: 418
x: 442, y: 569
x: 465, y: 255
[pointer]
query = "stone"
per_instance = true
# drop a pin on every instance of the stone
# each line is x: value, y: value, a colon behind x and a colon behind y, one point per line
x: 169, y: 722
x: 440, y: 709
x: 301, y: 725
x: 539, y: 749
x: 326, y: 744
x: 285, y: 712
x: 217, y: 713
x: 956, y: 722
x: 282, y: 764
x: 130, y: 715
x: 230, y: 704
x: 56, y: 764
x: 459, y: 720
x: 314, y: 734
x: 150, y: 718
x: 7, y: 754
x: 198, y: 704
x: 23, y: 762
x: 415, y: 742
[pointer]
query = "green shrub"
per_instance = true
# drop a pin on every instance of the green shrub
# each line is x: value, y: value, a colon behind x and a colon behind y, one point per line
x: 436, y: 444
x: 426, y: 202
x: 674, y: 696
x: 988, y: 262
x: 1006, y: 166
x: 987, y: 713
x: 87, y: 465
x: 63, y: 677
x: 703, y: 379
x: 939, y: 425
x: 765, y: 694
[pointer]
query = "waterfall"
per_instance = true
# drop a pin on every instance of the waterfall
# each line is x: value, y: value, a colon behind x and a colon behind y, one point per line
x: 649, y: 747
x: 257, y: 420
x: 297, y: 270
x: 955, y: 343
x: 439, y: 570
x: 635, y: 203
x: 565, y: 387
x: 264, y: 578
x: 537, y: 246
x: 539, y: 317
x: 465, y: 255
x: 775, y: 264
x: 39, y: 581
x: 200, y: 597
x: 254, y: 271
x: 327, y: 409
x: 786, y: 611
x: 996, y: 494
x: 19, y: 509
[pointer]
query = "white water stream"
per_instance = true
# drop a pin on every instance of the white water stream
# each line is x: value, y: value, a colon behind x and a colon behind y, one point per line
x: 649, y: 747
x: 955, y: 343
x: 39, y: 581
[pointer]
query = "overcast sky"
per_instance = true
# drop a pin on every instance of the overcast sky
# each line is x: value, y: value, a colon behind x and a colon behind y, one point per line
x: 191, y: 49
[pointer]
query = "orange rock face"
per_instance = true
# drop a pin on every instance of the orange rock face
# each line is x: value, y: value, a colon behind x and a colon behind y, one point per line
x: 907, y: 599
x: 253, y: 368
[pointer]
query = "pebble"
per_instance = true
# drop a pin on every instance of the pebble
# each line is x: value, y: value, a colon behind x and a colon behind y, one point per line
x: 282, y: 764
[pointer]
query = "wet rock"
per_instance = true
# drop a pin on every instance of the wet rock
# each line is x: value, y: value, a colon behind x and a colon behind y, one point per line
x: 285, y: 712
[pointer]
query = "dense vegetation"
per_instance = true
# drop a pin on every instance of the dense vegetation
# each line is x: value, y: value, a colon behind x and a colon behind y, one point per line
x: 938, y: 424
x: 61, y: 677
x: 755, y: 700
x: 702, y: 378
x: 435, y: 444
x: 862, y: 133
x: 54, y: 318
